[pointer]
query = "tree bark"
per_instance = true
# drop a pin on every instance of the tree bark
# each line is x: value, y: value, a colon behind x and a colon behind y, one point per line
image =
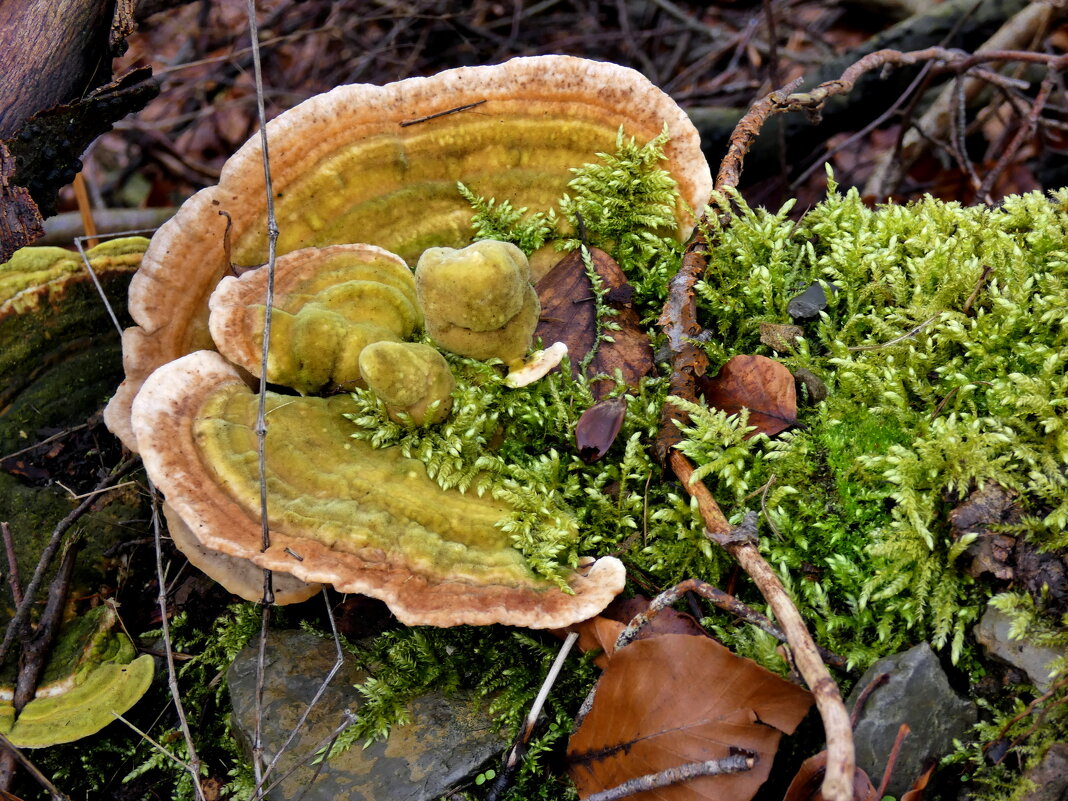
x: 51, y: 51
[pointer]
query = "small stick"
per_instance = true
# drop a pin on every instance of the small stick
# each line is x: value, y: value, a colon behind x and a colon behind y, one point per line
x: 865, y: 694
x: 32, y: 770
x: 902, y: 732
x: 516, y: 753
x: 44, y: 441
x: 728, y: 603
x: 838, y: 781
x: 967, y: 307
x: 736, y: 763
x: 908, y: 334
x: 79, y: 243
x: 1023, y: 133
x: 261, y: 414
x: 85, y: 209
x: 13, y: 579
x: 193, y: 766
x: 434, y: 116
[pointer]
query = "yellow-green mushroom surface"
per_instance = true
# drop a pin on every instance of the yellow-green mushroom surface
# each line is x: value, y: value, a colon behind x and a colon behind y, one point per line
x: 479, y: 300
x: 340, y: 511
x: 93, y: 674
x: 380, y: 164
x: 330, y: 303
x: 411, y: 378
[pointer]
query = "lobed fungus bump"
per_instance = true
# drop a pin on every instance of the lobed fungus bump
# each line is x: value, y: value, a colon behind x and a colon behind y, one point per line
x: 412, y: 379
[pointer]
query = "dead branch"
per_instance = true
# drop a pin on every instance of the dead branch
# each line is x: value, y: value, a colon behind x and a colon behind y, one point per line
x: 740, y: 543
x: 735, y: 763
x: 728, y: 603
x: 13, y: 579
x: 21, y: 758
x: 36, y: 648
x: 519, y: 747
x: 811, y: 102
x: 20, y: 620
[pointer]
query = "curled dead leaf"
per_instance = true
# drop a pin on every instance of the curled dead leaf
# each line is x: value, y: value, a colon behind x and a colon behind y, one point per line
x: 598, y: 428
x: 762, y: 385
x: 807, y: 784
x: 672, y: 699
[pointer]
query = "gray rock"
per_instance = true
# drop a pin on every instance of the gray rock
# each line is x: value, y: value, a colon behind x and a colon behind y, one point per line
x: 809, y: 303
x: 1050, y: 776
x: 917, y: 692
x: 993, y: 634
x: 447, y: 739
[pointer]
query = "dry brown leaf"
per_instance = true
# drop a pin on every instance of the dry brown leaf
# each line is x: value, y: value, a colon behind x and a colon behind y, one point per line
x: 763, y: 386
x: 601, y: 632
x: 807, y: 784
x: 919, y: 787
x: 598, y: 428
x: 568, y: 314
x: 672, y: 699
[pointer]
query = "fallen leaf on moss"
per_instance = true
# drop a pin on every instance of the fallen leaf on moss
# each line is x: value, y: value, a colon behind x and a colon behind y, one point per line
x: 807, y: 784
x: 673, y: 699
x: 598, y: 428
x: 762, y: 385
x: 569, y: 314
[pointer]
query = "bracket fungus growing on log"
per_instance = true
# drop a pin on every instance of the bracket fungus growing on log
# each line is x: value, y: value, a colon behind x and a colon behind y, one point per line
x: 342, y: 512
x: 380, y: 164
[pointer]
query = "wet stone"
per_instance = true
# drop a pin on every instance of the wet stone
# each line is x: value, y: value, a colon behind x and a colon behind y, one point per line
x: 809, y: 303
x: 1050, y: 776
x: 447, y: 740
x: 993, y: 634
x: 917, y: 692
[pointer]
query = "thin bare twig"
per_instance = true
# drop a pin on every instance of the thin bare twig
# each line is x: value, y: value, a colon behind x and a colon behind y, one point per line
x: 907, y: 335
x: 1023, y: 133
x: 261, y: 414
x: 739, y: 543
x: 33, y: 770
x: 318, y: 693
x: 14, y: 581
x: 722, y: 600
x: 45, y: 441
x: 434, y: 116
x: 193, y: 765
x: 736, y: 763
x: 18, y: 622
x: 511, y: 762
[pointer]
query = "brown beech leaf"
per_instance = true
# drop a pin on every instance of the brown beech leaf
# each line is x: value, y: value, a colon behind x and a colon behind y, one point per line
x: 601, y: 632
x: 759, y: 384
x: 807, y: 784
x: 598, y: 428
x: 919, y: 787
x: 568, y: 314
x: 672, y: 699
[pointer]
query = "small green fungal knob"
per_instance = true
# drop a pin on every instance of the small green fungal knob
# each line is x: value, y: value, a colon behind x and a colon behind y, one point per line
x: 478, y: 301
x: 411, y: 378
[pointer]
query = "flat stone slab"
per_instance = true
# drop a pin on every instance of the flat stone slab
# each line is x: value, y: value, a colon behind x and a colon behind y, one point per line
x: 993, y: 634
x: 447, y: 739
x: 917, y: 692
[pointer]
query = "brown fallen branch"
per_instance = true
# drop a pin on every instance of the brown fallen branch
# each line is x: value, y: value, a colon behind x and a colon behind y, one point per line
x: 728, y: 603
x: 35, y: 649
x: 740, y: 543
x: 811, y: 102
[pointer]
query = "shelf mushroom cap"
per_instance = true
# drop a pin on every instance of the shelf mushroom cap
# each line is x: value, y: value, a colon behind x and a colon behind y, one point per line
x: 379, y: 164
x: 329, y: 304
x: 342, y: 512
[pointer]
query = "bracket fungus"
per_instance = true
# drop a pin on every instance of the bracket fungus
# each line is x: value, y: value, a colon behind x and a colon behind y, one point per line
x: 343, y: 512
x: 93, y: 675
x: 377, y: 165
x: 330, y: 303
x: 380, y: 164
